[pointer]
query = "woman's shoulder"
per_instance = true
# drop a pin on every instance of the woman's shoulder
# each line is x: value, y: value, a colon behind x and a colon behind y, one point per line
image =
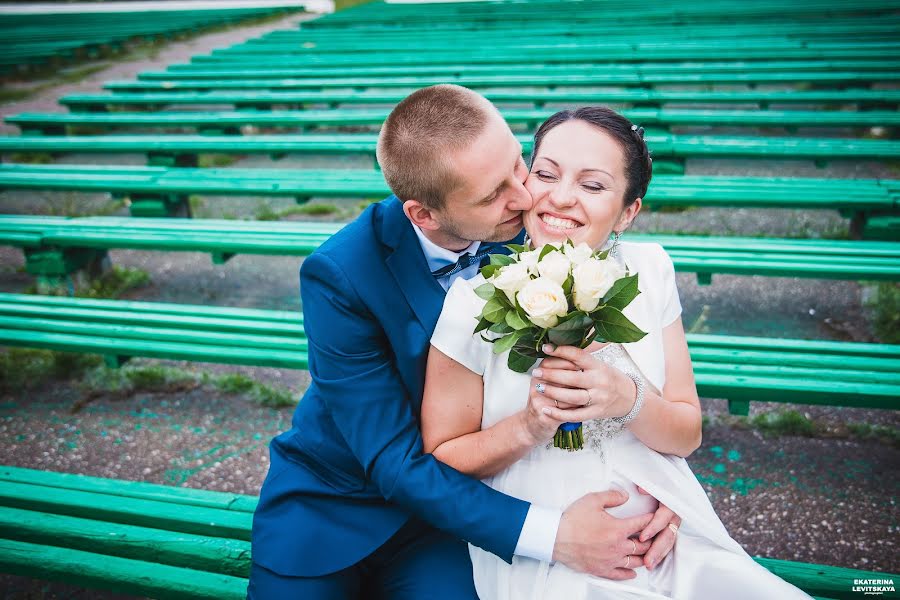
x: 644, y: 255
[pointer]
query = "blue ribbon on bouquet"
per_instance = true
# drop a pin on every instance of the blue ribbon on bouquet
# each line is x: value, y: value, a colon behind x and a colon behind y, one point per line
x: 570, y: 426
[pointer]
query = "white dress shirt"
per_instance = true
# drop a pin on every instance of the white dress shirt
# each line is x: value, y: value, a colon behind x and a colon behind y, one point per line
x: 538, y: 535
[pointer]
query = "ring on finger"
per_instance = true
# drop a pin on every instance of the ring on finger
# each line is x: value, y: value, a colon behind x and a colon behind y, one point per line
x: 540, y: 387
x: 627, y: 561
x: 557, y: 403
x: 633, y: 546
x: 590, y: 400
x: 674, y: 528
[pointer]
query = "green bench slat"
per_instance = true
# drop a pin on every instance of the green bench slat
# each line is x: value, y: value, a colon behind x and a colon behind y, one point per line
x: 482, y: 81
x: 118, y: 574
x: 182, y: 518
x: 130, y: 489
x: 158, y: 546
x: 750, y: 118
x: 264, y: 69
x: 79, y: 101
x: 678, y: 145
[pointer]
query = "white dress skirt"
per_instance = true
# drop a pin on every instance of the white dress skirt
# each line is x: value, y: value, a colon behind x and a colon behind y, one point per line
x: 706, y: 563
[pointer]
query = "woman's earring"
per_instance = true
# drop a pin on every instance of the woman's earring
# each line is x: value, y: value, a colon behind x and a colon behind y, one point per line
x: 614, y: 251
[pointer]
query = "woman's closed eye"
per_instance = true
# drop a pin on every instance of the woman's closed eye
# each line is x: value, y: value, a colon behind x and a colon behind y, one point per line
x: 593, y: 186
x: 545, y: 175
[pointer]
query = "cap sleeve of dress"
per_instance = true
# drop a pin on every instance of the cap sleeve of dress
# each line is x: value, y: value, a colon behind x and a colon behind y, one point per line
x: 453, y: 333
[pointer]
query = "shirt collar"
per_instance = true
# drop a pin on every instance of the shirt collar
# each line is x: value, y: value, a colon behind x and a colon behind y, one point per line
x: 438, y: 257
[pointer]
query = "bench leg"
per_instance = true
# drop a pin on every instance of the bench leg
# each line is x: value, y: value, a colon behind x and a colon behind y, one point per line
x: 739, y: 407
x: 160, y: 205
x: 157, y: 159
x: 114, y: 361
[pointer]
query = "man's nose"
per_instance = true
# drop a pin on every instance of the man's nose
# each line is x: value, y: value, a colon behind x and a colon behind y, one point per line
x: 520, y: 199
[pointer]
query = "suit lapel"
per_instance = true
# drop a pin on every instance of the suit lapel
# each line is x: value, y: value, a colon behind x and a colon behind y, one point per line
x: 407, y: 265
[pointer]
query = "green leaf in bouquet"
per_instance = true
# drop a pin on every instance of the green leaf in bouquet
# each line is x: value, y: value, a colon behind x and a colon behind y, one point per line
x: 489, y: 271
x: 515, y: 321
x: 567, y: 285
x: 569, y: 243
x: 482, y: 325
x: 613, y: 326
x: 485, y: 291
x: 518, y: 362
x: 601, y: 255
x: 502, y: 328
x: 547, y: 250
x: 506, y: 342
x: 571, y: 331
x: 515, y: 248
x: 494, y: 311
x: 501, y: 260
x: 622, y: 292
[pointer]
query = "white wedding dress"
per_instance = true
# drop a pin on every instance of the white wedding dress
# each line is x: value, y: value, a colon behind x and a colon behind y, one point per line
x: 706, y: 563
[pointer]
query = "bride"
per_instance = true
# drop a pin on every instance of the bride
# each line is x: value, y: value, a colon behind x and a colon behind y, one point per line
x: 638, y: 401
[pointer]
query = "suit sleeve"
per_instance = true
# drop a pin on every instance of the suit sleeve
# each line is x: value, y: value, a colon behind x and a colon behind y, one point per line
x: 354, y: 368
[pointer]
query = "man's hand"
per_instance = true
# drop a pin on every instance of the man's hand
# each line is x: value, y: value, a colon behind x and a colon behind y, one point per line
x: 659, y: 531
x: 590, y: 540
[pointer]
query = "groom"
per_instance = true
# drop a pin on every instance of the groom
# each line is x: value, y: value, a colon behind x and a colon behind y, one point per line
x: 351, y: 507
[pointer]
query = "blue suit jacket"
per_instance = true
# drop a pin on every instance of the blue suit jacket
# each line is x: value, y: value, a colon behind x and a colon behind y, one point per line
x: 350, y: 472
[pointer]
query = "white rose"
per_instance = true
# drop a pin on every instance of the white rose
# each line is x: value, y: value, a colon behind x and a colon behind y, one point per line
x: 530, y: 259
x: 511, y: 279
x: 592, y: 280
x: 555, y: 266
x: 544, y: 301
x: 578, y: 254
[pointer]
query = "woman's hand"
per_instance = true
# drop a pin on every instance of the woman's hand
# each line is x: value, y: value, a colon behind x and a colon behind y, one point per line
x: 538, y: 425
x: 581, y: 388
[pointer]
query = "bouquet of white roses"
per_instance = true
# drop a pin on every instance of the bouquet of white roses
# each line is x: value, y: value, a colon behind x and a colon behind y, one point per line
x: 565, y: 295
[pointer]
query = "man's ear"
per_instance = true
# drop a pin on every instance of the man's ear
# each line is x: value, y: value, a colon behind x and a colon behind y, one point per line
x: 420, y: 215
x: 628, y: 215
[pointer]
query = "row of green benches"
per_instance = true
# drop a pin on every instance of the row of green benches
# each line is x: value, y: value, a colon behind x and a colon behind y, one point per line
x: 32, y: 39
x: 669, y: 150
x: 740, y: 369
x: 837, y: 28
x: 385, y: 15
x: 44, y: 124
x: 266, y: 100
x: 182, y: 543
x: 164, y: 191
x: 266, y: 67
x: 597, y: 78
x: 56, y: 246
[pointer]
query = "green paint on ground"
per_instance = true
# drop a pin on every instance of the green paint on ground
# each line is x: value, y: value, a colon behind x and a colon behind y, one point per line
x: 719, y: 468
x: 734, y: 455
x: 716, y: 451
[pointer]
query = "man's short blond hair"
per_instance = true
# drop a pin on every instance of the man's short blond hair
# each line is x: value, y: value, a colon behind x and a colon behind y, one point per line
x: 420, y: 135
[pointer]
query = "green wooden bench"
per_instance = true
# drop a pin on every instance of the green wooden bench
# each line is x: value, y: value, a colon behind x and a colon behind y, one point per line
x: 163, y: 191
x: 740, y: 369
x: 219, y: 122
x: 623, y: 79
x: 182, y: 543
x: 266, y: 100
x: 274, y: 68
x: 669, y: 150
x: 28, y: 40
x: 54, y: 247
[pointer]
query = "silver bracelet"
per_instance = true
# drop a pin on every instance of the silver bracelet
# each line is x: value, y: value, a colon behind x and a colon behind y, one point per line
x: 638, y: 401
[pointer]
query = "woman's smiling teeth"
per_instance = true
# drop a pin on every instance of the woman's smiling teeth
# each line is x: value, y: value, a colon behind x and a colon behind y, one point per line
x: 558, y: 223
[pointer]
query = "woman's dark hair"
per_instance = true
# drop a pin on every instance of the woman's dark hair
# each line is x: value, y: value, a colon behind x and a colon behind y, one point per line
x: 638, y: 166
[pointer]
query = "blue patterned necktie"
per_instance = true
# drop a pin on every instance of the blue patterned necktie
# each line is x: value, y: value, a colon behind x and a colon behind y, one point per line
x: 467, y: 260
